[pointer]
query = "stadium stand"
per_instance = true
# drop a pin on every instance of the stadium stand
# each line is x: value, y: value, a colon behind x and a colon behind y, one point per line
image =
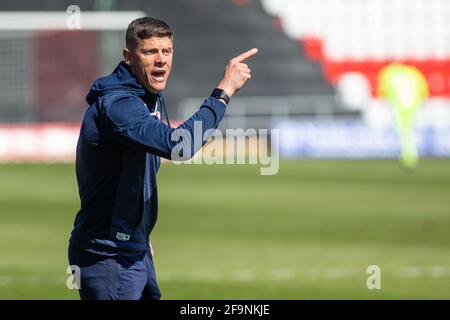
x: 353, y: 40
x: 319, y: 60
x: 201, y: 53
x: 361, y: 36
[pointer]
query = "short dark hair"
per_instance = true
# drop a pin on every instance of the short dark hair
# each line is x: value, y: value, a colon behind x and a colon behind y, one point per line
x: 144, y: 28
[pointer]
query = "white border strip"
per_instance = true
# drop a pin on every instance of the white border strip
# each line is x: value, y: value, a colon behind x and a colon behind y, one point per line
x: 57, y: 20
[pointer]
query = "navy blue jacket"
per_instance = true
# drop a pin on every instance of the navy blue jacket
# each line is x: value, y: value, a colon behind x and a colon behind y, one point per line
x: 117, y: 160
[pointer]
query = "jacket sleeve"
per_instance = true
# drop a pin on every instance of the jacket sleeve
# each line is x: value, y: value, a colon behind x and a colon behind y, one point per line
x: 129, y: 121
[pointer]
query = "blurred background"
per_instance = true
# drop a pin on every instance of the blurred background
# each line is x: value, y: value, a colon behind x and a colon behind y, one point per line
x: 340, y: 201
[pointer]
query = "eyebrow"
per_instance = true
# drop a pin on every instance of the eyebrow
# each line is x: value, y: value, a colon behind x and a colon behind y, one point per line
x: 154, y: 48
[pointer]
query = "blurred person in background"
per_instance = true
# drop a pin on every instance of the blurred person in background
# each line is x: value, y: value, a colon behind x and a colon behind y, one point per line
x: 118, y: 155
x: 406, y: 89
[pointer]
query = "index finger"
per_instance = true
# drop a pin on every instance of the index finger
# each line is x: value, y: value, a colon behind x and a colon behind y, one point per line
x: 244, y: 56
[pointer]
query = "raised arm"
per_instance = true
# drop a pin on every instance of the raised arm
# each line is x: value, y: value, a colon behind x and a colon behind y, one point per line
x: 130, y: 122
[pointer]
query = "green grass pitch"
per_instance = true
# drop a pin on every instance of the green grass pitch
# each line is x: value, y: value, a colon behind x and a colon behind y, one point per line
x: 225, y: 232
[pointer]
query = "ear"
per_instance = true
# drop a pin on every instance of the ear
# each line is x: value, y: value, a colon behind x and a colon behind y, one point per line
x: 127, y: 56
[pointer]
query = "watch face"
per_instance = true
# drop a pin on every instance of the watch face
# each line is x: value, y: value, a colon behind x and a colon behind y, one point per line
x: 218, y: 93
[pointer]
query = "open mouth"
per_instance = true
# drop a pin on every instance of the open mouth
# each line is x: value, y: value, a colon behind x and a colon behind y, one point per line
x: 158, y: 75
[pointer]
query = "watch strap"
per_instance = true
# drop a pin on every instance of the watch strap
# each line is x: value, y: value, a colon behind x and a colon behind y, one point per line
x: 221, y: 95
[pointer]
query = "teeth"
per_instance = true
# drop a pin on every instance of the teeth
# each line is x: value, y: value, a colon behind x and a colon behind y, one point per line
x: 158, y: 75
x: 159, y: 78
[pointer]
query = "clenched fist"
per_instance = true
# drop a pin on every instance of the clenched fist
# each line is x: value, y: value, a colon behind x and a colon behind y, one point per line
x: 236, y: 73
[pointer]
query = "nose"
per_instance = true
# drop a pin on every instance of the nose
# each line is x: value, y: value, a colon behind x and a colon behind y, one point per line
x: 160, y: 59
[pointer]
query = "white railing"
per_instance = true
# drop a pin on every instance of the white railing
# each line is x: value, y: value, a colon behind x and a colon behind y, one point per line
x: 264, y: 111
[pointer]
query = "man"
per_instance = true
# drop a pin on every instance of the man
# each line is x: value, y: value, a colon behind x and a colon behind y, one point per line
x: 121, y: 140
x: 406, y: 88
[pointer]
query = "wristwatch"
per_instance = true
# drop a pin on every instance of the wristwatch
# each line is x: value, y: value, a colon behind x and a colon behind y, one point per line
x: 220, y: 94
